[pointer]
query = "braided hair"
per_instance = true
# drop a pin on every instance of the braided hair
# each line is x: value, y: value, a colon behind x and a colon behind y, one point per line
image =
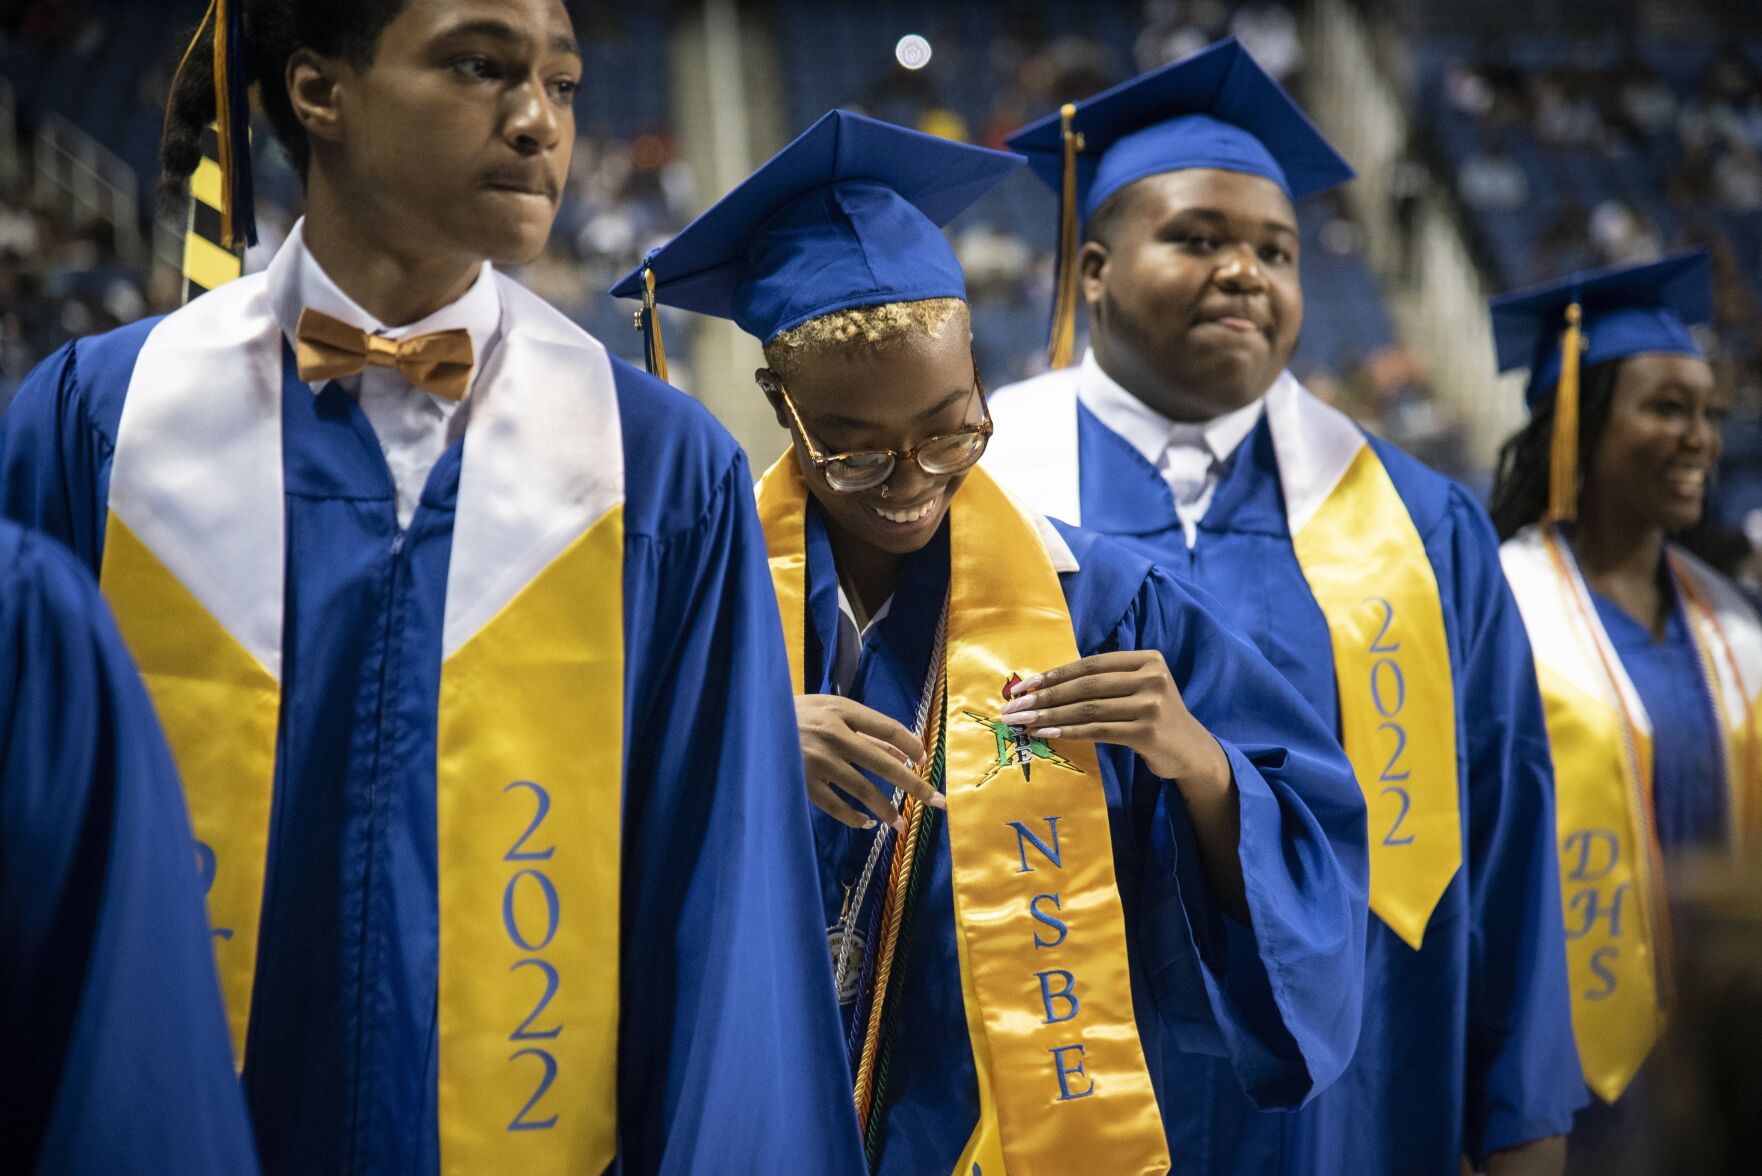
x: 1520, y: 477
x: 274, y: 31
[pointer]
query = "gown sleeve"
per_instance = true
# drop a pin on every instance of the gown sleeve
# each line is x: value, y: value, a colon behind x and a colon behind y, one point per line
x: 112, y: 1036
x: 1523, y: 1081
x: 1284, y: 993
x: 54, y: 459
x: 731, y: 1048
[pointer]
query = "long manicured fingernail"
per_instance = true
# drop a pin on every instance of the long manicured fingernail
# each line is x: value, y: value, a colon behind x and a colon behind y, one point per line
x: 898, y: 824
x: 869, y: 824
x: 1031, y: 682
x: 938, y: 801
x: 1020, y: 702
x: 1047, y: 733
x: 1022, y: 718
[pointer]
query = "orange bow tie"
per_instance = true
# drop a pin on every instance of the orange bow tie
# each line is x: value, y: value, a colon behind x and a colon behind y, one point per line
x: 327, y: 348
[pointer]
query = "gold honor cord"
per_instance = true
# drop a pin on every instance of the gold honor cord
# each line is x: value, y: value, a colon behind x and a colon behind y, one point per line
x: 208, y: 261
x: 1740, y: 719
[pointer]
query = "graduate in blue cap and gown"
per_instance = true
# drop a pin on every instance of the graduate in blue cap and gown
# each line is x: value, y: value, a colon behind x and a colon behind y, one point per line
x: 1369, y: 581
x: 1073, y: 832
x: 461, y: 634
x: 1650, y: 662
x: 112, y: 1037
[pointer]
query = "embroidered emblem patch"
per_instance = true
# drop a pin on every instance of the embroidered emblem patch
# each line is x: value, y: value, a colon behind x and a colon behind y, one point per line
x: 1015, y: 747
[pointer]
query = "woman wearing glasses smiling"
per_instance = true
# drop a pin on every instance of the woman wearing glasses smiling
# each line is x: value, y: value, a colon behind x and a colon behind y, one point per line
x: 1069, y: 825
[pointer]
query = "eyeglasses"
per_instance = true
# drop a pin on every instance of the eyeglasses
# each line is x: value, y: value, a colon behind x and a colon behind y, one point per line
x: 865, y: 469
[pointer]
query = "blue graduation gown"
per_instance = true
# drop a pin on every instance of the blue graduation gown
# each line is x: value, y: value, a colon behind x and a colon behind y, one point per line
x: 112, y: 1039
x: 1688, y: 759
x: 1278, y: 1005
x: 1467, y: 1043
x: 1689, y: 809
x: 728, y: 1038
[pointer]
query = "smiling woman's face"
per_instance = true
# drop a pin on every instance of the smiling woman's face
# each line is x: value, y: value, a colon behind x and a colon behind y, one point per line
x: 1657, y: 453
x: 855, y: 396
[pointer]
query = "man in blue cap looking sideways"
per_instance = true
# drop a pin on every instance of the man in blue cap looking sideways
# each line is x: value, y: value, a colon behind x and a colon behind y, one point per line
x: 1369, y: 581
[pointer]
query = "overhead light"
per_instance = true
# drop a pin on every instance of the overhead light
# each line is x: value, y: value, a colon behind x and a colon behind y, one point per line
x: 913, y: 51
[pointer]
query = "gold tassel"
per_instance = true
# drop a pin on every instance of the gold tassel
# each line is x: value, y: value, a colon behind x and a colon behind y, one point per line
x: 1563, y: 452
x: 655, y: 349
x: 223, y: 123
x: 1064, y: 298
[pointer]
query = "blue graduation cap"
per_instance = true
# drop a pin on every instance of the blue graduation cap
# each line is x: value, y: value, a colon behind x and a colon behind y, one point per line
x: 1215, y: 108
x: 1625, y: 310
x: 847, y: 215
x: 1589, y: 318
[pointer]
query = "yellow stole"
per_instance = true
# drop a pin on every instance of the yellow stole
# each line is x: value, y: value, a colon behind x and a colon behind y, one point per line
x: 528, y: 820
x: 1612, y: 893
x: 1367, y: 567
x: 1063, y: 1085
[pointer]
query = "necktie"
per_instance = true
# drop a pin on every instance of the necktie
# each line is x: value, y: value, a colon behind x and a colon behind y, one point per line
x: 327, y: 348
x: 1187, y: 469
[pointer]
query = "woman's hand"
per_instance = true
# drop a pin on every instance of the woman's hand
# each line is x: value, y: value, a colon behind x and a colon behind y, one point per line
x: 841, y: 739
x: 1129, y: 698
x: 1126, y: 698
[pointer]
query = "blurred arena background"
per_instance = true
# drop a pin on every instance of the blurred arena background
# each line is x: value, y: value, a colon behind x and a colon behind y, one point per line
x: 1498, y: 142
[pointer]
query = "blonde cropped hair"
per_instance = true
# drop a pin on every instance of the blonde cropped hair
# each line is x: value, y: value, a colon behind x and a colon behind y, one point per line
x: 874, y: 328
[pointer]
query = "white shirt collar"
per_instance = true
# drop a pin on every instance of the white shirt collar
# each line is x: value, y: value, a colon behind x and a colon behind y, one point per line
x: 297, y: 281
x: 1153, y: 434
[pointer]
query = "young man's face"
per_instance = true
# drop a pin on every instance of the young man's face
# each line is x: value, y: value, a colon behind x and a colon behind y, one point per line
x: 460, y: 131
x: 1194, y: 297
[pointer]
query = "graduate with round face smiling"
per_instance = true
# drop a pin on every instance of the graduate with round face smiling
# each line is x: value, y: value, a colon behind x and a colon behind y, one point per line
x: 1650, y: 662
x: 1073, y: 832
x: 462, y: 637
x: 1370, y: 582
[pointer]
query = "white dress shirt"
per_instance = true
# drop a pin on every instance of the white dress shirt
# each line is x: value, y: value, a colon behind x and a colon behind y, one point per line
x: 849, y: 650
x: 1189, y: 456
x: 413, y: 427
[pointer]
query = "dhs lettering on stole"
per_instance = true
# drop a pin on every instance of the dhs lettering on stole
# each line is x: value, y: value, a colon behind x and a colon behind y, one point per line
x: 1060, y: 1000
x: 1589, y: 857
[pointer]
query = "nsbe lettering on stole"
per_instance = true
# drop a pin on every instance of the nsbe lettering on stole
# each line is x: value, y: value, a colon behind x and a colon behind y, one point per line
x: 1059, y: 999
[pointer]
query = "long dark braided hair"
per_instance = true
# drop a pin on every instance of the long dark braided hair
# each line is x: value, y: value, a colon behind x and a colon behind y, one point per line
x: 1520, y: 477
x: 274, y: 30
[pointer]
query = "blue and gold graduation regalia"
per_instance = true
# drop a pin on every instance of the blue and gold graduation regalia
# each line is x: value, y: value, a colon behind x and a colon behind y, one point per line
x: 505, y: 838
x: 112, y: 1038
x: 1657, y: 748
x: 1275, y: 1003
x: 1466, y: 1044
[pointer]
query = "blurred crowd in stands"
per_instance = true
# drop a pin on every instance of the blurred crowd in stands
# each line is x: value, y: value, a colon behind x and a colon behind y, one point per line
x: 1569, y: 154
x: 61, y: 274
x: 1557, y: 154
x: 59, y: 278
